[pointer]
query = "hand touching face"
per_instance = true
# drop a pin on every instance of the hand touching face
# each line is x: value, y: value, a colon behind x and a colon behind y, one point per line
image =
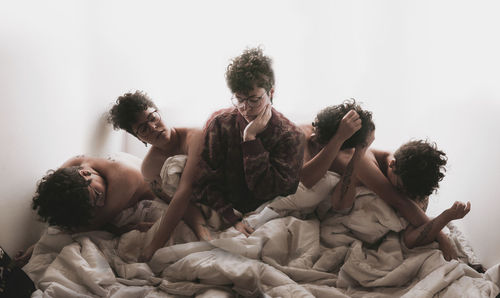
x: 258, y: 124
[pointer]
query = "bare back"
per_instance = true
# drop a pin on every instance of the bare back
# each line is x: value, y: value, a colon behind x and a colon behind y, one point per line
x: 125, y: 185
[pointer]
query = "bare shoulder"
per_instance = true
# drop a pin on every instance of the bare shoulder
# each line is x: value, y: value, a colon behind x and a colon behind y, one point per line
x: 309, y: 149
x: 192, y: 140
x: 307, y: 129
x: 379, y: 158
x: 379, y: 154
x: 121, y: 167
x: 192, y: 134
x: 76, y: 161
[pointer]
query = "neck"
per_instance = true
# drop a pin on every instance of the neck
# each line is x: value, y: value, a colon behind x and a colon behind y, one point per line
x: 171, y: 141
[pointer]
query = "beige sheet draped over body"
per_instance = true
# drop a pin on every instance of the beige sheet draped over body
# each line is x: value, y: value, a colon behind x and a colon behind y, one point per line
x: 327, y: 254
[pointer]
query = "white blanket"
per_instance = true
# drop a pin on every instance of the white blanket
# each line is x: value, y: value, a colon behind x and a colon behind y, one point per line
x: 354, y: 255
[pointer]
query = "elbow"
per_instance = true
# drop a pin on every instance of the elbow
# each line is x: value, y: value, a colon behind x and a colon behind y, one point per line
x: 409, y: 244
x: 308, y: 183
x: 408, y: 240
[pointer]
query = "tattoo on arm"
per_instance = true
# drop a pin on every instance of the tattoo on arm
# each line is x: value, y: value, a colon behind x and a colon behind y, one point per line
x: 424, y: 233
x: 346, y: 180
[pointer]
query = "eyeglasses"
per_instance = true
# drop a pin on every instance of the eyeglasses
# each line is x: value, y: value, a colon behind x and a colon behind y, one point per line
x: 252, y: 101
x: 144, y: 128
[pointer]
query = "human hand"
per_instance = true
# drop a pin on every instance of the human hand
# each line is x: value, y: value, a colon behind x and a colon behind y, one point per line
x: 203, y: 232
x: 22, y: 257
x: 244, y: 228
x: 258, y: 124
x: 349, y: 124
x: 458, y: 210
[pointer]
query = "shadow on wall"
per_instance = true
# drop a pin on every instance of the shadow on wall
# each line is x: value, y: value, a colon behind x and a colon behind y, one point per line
x: 102, y: 140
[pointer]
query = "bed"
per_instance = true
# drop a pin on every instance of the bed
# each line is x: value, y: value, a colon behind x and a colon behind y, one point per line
x: 318, y: 254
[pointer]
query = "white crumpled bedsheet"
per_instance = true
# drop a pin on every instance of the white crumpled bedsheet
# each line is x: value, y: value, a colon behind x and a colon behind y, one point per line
x: 355, y: 255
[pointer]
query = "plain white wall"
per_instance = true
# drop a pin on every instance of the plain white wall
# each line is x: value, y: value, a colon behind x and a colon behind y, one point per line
x: 426, y: 69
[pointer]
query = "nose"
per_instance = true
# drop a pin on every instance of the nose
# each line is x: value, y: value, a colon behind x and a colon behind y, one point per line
x: 244, y: 105
x: 151, y: 125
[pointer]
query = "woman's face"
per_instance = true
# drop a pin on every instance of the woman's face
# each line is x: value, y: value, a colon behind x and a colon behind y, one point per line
x: 150, y: 128
x: 97, y: 187
x: 252, y: 104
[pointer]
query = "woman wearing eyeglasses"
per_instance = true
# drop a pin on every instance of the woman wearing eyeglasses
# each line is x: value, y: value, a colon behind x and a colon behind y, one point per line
x: 251, y: 152
x: 87, y: 193
x: 163, y: 164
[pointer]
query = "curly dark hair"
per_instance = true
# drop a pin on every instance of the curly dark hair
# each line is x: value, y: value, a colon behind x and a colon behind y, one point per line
x: 328, y: 120
x: 124, y: 113
x: 419, y: 164
x: 62, y: 198
x: 250, y: 69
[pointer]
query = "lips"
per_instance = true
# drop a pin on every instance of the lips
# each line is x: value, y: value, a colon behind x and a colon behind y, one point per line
x: 160, y: 133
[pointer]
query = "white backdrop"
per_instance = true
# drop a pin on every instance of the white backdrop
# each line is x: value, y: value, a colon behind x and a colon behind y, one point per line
x: 427, y: 69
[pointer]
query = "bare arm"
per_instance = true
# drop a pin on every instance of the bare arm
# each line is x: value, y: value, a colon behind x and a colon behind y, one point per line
x: 75, y: 161
x: 123, y: 182
x: 428, y: 232
x: 180, y: 204
x: 142, y: 226
x: 371, y: 176
x: 345, y: 191
x: 316, y: 168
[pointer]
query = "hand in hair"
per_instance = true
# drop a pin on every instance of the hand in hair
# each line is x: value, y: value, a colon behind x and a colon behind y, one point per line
x: 349, y: 124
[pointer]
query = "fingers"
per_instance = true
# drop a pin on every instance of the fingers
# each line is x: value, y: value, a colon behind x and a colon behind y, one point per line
x: 351, y: 115
x: 461, y: 206
x: 244, y: 231
x: 249, y: 229
x: 353, y: 118
x: 260, y: 122
x: 264, y: 112
x: 460, y: 209
x: 244, y: 228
